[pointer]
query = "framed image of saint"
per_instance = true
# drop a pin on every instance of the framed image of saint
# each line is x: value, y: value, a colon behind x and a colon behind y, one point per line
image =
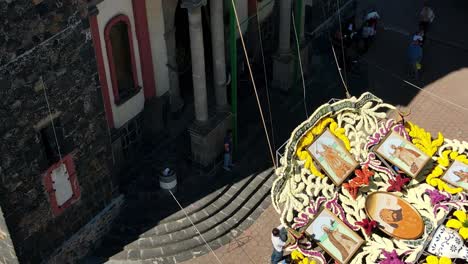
x: 396, y: 217
x: 334, y: 236
x: 403, y: 154
x: 331, y: 155
x: 457, y: 175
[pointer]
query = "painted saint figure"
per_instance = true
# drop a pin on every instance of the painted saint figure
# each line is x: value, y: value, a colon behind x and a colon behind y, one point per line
x: 463, y: 175
x: 332, y: 157
x: 400, y: 219
x: 408, y: 156
x: 342, y: 242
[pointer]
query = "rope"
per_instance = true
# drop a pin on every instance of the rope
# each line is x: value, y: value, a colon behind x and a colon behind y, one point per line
x: 51, y: 117
x: 342, y: 46
x: 348, y: 95
x: 300, y: 64
x: 198, y: 231
x: 415, y: 86
x: 266, y: 77
x: 253, y: 82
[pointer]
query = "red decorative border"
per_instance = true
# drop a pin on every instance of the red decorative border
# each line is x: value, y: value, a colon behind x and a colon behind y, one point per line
x: 70, y: 165
x: 101, y: 69
x: 110, y: 57
x: 144, y: 47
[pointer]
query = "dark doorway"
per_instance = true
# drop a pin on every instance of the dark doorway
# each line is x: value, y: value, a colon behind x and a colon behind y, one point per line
x: 184, y: 60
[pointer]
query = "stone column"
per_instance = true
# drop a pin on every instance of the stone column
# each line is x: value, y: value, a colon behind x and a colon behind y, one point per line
x: 219, y: 60
x: 198, y: 57
x: 283, y: 61
x: 284, y: 27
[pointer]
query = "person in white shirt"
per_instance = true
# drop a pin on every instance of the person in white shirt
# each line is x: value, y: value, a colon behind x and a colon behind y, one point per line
x: 278, y: 245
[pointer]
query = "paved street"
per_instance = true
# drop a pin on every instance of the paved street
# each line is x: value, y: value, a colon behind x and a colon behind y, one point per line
x: 441, y: 106
x: 444, y: 65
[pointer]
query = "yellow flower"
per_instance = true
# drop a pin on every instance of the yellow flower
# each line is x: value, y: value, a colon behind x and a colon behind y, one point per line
x: 461, y: 224
x: 298, y: 258
x: 436, y: 260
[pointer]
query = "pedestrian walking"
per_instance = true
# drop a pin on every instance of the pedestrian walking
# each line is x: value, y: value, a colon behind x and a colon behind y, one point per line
x: 415, y: 54
x: 228, y: 151
x: 367, y: 34
x: 426, y: 17
x: 278, y: 245
x: 373, y: 18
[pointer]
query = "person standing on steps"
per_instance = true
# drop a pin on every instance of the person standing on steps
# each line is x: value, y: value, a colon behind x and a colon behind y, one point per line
x: 278, y: 245
x: 228, y: 151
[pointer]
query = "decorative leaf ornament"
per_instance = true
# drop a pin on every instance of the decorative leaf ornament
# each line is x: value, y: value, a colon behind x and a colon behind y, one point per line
x: 302, y: 189
x: 423, y: 140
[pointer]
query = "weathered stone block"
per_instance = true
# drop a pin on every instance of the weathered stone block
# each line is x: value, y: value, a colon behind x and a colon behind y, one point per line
x: 283, y: 71
x: 207, y: 140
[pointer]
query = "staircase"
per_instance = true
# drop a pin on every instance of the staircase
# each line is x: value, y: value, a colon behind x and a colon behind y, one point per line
x: 219, y: 217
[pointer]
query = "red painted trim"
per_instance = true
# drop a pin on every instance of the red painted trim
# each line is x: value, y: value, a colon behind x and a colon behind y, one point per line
x: 70, y: 165
x: 101, y: 69
x: 110, y: 56
x: 144, y: 45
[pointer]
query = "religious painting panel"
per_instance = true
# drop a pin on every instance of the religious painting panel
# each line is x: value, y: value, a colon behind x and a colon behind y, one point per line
x: 330, y: 154
x: 403, y: 154
x: 395, y: 216
x: 457, y: 175
x: 333, y: 236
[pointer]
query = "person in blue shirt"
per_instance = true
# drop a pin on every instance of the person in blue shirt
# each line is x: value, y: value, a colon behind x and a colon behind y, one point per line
x: 415, y: 54
x: 228, y: 151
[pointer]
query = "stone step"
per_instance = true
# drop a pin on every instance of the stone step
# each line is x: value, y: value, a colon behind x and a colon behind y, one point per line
x: 131, y: 257
x: 204, y: 202
x: 218, y: 229
x: 203, y: 209
x: 219, y: 213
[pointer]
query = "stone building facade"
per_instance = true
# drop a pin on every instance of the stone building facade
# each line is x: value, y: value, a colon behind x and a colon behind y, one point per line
x: 56, y: 156
x: 83, y: 83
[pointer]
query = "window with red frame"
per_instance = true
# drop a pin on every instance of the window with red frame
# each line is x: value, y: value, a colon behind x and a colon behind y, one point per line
x: 60, y: 175
x: 120, y: 53
x: 61, y: 184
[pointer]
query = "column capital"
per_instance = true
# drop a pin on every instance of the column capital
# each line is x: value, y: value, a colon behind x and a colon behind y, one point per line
x: 189, y: 4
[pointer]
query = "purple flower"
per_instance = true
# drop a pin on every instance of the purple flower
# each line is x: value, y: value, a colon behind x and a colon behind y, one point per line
x: 436, y: 196
x: 391, y: 258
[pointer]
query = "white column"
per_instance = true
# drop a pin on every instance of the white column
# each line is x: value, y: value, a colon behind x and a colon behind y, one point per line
x: 198, y: 63
x: 219, y: 60
x: 285, y: 26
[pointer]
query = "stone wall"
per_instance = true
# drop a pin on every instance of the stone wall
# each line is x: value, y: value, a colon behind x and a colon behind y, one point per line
x: 85, y: 239
x: 49, y: 39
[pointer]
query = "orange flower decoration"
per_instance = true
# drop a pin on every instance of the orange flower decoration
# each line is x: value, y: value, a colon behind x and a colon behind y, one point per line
x: 361, y: 179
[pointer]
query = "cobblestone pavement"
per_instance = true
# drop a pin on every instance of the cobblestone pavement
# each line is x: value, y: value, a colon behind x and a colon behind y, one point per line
x: 253, y: 246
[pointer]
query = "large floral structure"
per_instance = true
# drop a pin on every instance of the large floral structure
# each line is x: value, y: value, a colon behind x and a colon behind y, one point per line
x: 302, y: 188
